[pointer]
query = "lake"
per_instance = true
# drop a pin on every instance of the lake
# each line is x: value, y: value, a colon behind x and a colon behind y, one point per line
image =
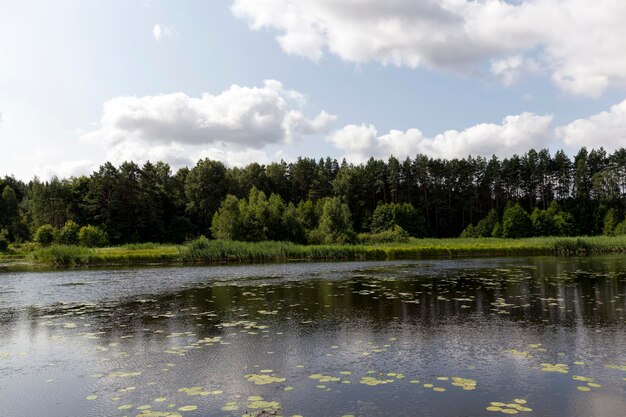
x: 536, y: 336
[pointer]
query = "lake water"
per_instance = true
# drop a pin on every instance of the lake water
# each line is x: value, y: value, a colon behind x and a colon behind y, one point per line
x: 537, y: 336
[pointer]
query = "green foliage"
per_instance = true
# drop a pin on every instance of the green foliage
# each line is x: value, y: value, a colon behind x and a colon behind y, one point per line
x: 335, y: 224
x: 542, y: 223
x: 387, y: 216
x: 564, y: 223
x: 149, y: 203
x: 293, y: 229
x: 572, y: 247
x: 552, y: 222
x: 260, y: 217
x: 203, y: 250
x: 515, y: 222
x: 620, y: 229
x: 257, y: 219
x: 395, y: 235
x: 309, y: 214
x: 383, y: 218
x: 469, y: 232
x: 497, y: 230
x: 8, y: 206
x: 45, y: 235
x: 68, y: 235
x: 10, y: 218
x: 484, y: 228
x: 61, y: 255
x: 610, y: 222
x: 226, y: 222
x: 92, y: 237
x: 205, y: 188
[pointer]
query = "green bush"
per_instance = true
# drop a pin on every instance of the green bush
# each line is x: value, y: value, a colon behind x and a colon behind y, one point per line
x: 611, y: 221
x: 469, y: 232
x: 92, y: 236
x: 68, y: 235
x: 395, y: 235
x: 552, y: 221
x: 386, y: 216
x: 315, y: 237
x: 620, y: 229
x: 516, y: 222
x: 45, y: 235
x: 484, y: 228
x: 497, y: 230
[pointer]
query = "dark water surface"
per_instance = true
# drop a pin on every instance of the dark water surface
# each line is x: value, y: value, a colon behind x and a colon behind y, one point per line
x: 535, y: 336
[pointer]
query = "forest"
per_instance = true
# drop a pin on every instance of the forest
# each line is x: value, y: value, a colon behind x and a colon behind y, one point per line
x: 324, y: 201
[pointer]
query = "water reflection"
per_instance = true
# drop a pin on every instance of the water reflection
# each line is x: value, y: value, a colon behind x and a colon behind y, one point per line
x: 126, y: 339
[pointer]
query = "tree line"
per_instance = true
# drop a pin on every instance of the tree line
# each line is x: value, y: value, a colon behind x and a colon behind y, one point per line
x: 309, y: 199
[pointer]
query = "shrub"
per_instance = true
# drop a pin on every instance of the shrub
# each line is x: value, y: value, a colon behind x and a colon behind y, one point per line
x: 620, y: 229
x: 395, y: 235
x: 68, y: 235
x: 515, y: 222
x: 484, y: 228
x: 469, y: 231
x: 610, y: 222
x: 387, y: 216
x: 497, y: 230
x: 315, y: 237
x: 552, y: 221
x: 92, y: 236
x: 45, y: 235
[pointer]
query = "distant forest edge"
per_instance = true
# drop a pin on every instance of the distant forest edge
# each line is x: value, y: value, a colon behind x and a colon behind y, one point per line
x: 324, y: 202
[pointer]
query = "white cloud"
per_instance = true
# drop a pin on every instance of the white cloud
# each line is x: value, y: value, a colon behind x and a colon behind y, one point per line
x: 606, y: 129
x: 510, y: 69
x: 163, y: 32
x: 67, y: 169
x: 1, y: 120
x: 233, y: 156
x: 175, y: 127
x: 516, y: 134
x: 581, y: 46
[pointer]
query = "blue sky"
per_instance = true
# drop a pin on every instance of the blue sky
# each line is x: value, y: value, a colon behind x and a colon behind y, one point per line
x: 85, y: 82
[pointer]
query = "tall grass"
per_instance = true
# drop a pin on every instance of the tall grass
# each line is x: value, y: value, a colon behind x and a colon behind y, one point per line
x: 62, y: 255
x: 203, y: 250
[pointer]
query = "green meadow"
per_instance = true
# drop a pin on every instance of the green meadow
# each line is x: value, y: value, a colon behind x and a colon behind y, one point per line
x: 205, y: 251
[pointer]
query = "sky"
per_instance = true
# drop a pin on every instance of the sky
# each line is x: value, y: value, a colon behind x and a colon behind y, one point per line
x: 241, y: 81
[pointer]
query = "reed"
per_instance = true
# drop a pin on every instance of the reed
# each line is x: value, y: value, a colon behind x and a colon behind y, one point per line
x: 62, y: 255
x: 203, y: 250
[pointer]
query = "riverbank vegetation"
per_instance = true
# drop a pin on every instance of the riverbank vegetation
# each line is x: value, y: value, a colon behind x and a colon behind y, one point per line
x: 209, y: 251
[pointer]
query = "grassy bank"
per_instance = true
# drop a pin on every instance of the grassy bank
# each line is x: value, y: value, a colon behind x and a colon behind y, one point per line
x: 215, y: 251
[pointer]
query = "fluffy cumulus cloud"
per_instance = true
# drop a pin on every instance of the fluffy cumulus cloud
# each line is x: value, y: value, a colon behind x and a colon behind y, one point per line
x: 579, y: 45
x: 176, y: 128
x: 516, y: 134
x: 607, y: 129
x: 163, y: 32
x: 1, y: 120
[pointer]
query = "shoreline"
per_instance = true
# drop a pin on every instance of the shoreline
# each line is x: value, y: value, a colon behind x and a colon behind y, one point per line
x: 216, y: 252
